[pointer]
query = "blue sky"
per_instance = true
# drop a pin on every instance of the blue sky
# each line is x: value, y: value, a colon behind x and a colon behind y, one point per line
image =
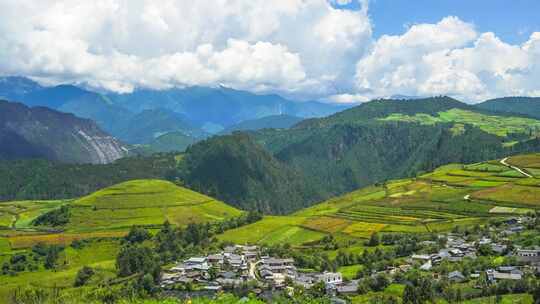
x: 468, y: 49
x: 511, y: 20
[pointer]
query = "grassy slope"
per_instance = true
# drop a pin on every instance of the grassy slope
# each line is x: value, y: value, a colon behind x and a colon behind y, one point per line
x: 110, y: 212
x: 497, y: 125
x: 432, y: 202
x: 98, y: 254
x: 102, y: 216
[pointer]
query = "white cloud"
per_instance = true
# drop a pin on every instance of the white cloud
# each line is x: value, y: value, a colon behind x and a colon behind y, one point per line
x: 348, y: 98
x: 449, y: 58
x: 290, y: 46
x: 303, y: 48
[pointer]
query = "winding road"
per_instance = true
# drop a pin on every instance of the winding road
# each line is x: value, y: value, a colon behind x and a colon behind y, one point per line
x: 504, y: 163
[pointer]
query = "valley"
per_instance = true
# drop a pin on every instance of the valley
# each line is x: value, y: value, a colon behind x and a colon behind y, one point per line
x: 269, y: 152
x: 453, y: 197
x: 378, y: 198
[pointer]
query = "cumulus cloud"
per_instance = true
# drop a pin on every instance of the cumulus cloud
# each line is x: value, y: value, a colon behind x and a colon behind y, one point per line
x: 449, y: 58
x: 302, y: 48
x: 283, y: 45
x: 348, y: 98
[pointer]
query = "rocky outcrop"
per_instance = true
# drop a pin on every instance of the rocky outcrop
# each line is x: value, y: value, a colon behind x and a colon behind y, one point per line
x: 45, y: 133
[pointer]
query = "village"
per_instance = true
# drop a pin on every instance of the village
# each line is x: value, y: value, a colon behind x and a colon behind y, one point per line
x: 239, y: 264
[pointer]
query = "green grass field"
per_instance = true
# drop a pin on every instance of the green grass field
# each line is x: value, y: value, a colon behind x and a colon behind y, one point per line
x: 138, y: 202
x: 349, y: 272
x: 497, y: 125
x: 101, y: 218
x: 99, y: 255
x: 453, y: 195
x: 145, y: 202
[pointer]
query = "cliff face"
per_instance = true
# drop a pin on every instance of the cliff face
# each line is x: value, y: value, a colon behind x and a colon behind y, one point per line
x: 44, y: 133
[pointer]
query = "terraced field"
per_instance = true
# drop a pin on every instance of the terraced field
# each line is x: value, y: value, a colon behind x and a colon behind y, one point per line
x: 110, y: 213
x: 101, y: 218
x: 497, y: 125
x: 453, y: 195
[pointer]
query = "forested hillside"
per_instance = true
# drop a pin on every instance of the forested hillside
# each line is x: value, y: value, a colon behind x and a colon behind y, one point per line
x: 519, y: 105
x: 236, y: 170
x: 41, y: 179
x: 361, y: 146
x: 268, y: 122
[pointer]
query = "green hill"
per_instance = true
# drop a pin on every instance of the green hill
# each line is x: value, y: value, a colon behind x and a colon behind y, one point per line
x: 110, y: 212
x: 267, y: 122
x: 235, y: 169
x: 452, y: 195
x: 168, y: 142
x: 518, y: 105
x: 374, y: 142
x: 147, y: 125
x: 97, y: 222
x: 37, y: 179
x: 144, y: 202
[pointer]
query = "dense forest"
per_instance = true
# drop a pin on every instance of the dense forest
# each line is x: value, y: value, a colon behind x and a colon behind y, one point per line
x: 236, y: 170
x: 321, y: 158
x: 520, y: 105
x: 42, y: 179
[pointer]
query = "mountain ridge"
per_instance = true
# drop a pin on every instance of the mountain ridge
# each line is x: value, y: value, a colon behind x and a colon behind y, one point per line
x: 55, y: 135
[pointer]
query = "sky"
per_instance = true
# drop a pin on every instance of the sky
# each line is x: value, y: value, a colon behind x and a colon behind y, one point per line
x: 331, y: 50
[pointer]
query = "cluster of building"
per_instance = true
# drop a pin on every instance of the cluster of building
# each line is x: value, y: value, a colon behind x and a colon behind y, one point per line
x: 238, y: 264
x: 275, y: 271
x: 457, y: 249
x: 215, y: 271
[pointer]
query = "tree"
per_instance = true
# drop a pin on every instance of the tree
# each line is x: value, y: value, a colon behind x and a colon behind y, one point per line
x: 318, y: 290
x: 51, y: 256
x: 57, y: 217
x: 383, y: 299
x: 83, y: 276
x: 409, y: 295
x: 148, y: 284
x: 536, y: 294
x: 213, y: 272
x: 485, y: 250
x: 379, y: 283
x: 137, y: 259
x: 138, y: 235
x: 374, y: 240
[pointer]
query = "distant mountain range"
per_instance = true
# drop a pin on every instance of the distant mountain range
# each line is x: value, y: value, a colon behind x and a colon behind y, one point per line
x: 294, y: 164
x: 221, y: 106
x: 144, y: 115
x: 40, y: 132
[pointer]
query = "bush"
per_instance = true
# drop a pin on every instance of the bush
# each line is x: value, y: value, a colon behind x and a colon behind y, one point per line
x: 83, y: 276
x: 138, y: 235
x: 54, y: 218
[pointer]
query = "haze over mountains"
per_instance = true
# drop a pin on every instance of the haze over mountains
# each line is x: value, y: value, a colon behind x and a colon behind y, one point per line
x: 194, y: 111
